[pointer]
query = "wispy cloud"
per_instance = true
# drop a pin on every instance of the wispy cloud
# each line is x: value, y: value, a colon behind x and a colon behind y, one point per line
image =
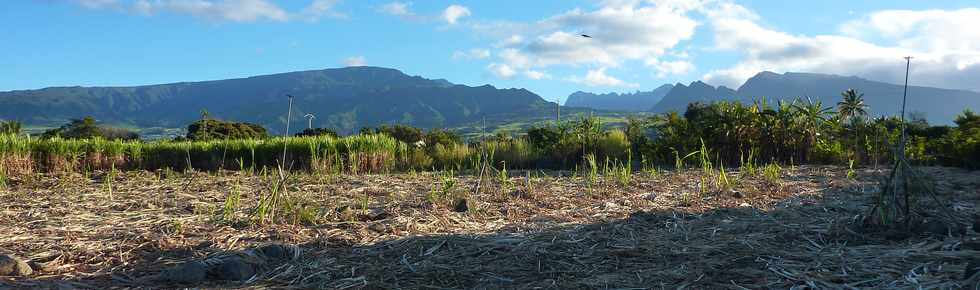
x: 220, y: 10
x: 475, y: 53
x: 454, y: 12
x: 598, y: 77
x: 451, y: 15
x: 400, y: 9
x: 355, y: 61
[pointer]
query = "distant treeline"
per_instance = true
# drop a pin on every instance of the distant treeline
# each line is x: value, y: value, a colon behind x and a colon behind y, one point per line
x: 727, y: 133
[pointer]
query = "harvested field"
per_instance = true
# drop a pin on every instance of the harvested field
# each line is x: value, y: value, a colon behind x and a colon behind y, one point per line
x: 410, y: 231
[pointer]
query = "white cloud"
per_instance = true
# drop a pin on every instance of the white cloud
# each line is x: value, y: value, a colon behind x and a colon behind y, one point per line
x: 321, y: 8
x: 475, y: 53
x: 945, y: 47
x: 355, y: 61
x: 454, y: 12
x: 98, y: 4
x: 667, y: 68
x: 619, y: 31
x: 598, y: 77
x: 226, y: 10
x: 503, y: 71
x: 537, y: 75
x: 400, y: 9
x: 220, y: 10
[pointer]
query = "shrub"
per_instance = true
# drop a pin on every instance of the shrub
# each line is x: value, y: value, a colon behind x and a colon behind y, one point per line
x: 443, y: 137
x: 208, y: 129
x: 402, y: 133
x: 614, y: 145
x: 86, y: 128
x: 317, y: 132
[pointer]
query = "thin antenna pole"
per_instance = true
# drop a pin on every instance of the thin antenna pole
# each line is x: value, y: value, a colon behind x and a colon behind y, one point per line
x: 905, y: 92
x: 289, y: 114
x: 557, y: 112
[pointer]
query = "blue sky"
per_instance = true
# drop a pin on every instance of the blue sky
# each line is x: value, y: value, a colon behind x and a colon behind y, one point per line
x: 635, y: 45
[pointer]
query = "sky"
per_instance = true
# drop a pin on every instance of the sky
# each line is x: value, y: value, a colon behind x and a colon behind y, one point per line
x: 538, y: 45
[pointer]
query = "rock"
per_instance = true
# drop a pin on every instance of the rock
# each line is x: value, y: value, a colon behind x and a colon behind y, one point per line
x: 378, y: 227
x: 971, y: 245
x: 376, y: 214
x: 650, y: 196
x: 971, y: 269
x: 737, y: 194
x: 461, y: 205
x: 234, y: 269
x: 277, y: 252
x: 745, y: 204
x: 187, y: 273
x: 976, y: 223
x: 896, y: 235
x: 10, y: 266
x: 937, y: 228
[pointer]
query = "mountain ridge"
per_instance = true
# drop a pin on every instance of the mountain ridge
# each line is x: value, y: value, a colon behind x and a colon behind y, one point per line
x: 636, y: 101
x: 341, y: 98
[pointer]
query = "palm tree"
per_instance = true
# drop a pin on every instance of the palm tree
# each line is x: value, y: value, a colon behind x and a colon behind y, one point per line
x: 811, y: 115
x: 851, y: 106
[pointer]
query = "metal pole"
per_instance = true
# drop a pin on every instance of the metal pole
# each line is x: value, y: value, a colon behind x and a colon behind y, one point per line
x: 905, y: 92
x: 557, y: 112
x: 285, y: 134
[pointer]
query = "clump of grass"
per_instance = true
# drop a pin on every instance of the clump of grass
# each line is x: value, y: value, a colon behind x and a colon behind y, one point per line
x: 623, y: 173
x: 504, y: 179
x: 107, y: 183
x: 232, y: 201
x: 772, y: 173
x: 724, y: 181
x: 449, y: 185
x: 850, y: 170
x: 3, y: 175
x: 748, y: 164
x: 593, y: 168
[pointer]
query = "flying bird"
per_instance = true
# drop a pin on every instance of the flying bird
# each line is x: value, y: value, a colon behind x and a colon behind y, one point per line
x: 586, y: 35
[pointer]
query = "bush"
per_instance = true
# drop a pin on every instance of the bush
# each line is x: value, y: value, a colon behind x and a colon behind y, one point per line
x: 451, y: 156
x: 614, y: 145
x: 86, y: 128
x: 317, y: 132
x: 209, y: 129
x: 443, y: 137
x: 407, y: 134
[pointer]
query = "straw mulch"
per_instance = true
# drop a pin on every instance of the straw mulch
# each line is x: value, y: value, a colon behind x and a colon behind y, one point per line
x: 382, y: 232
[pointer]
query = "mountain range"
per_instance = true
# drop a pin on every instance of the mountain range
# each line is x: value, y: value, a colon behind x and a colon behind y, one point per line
x: 937, y: 105
x: 629, y: 102
x: 345, y: 99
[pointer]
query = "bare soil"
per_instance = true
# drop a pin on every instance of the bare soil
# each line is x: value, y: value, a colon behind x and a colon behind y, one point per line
x: 406, y: 231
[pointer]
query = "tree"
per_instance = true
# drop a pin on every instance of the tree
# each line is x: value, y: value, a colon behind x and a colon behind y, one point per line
x: 403, y: 133
x: 811, y: 115
x: 86, y: 128
x: 442, y: 136
x: 851, y: 106
x: 317, y: 132
x: 206, y: 129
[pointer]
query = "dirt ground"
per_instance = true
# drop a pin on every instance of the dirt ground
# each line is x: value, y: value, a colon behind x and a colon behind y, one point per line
x: 410, y: 231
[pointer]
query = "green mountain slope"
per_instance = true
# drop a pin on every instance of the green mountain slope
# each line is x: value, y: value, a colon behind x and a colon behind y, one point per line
x: 345, y: 99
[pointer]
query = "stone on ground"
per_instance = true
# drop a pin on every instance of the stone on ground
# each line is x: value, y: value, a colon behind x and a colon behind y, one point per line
x: 10, y: 266
x: 234, y: 269
x: 187, y: 273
